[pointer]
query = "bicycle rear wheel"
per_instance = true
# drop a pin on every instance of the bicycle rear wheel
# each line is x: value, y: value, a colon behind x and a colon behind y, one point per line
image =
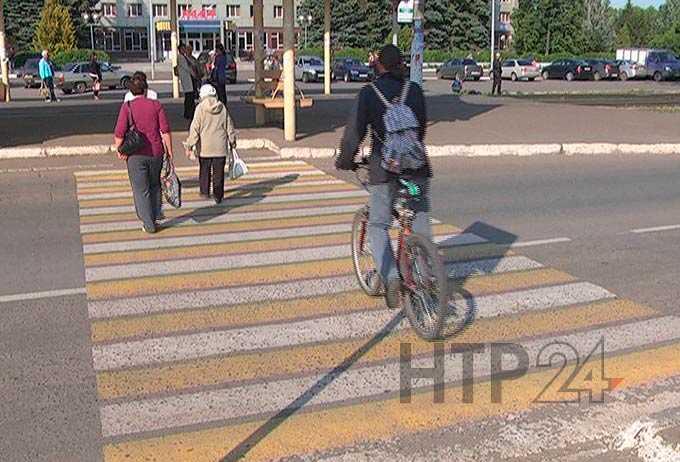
x: 425, y: 297
x: 362, y: 258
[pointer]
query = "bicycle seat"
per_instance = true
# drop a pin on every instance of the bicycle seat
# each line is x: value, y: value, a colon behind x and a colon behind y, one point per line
x: 410, y: 189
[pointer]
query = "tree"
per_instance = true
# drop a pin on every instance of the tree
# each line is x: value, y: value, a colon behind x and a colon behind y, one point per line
x: 598, y: 25
x: 437, y: 24
x: 549, y: 26
x: 21, y: 17
x: 470, y: 23
x: 635, y: 26
x: 54, y: 31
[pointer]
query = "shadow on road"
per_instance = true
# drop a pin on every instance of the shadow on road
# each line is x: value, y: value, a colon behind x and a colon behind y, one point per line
x: 485, y: 262
x: 234, y: 198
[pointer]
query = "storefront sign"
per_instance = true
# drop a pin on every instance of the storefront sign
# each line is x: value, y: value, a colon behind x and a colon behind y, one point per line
x: 163, y: 26
x: 192, y: 14
x: 405, y: 12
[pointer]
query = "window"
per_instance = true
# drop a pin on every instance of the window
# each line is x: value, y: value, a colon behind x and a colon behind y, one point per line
x: 233, y: 11
x: 109, y: 10
x: 276, y: 40
x: 278, y: 11
x: 181, y: 9
x: 136, y: 40
x: 160, y: 10
x: 245, y: 41
x: 252, y: 11
x: 111, y: 40
x: 505, y: 18
x: 134, y: 10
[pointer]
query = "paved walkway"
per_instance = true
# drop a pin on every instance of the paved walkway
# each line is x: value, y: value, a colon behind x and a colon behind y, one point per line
x: 273, y: 352
x: 466, y: 120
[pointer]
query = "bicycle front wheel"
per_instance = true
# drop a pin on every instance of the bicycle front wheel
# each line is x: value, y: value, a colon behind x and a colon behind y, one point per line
x: 362, y: 258
x: 425, y: 297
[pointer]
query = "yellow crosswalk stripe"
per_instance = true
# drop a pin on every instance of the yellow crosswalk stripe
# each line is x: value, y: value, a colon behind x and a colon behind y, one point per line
x: 309, y: 358
x: 307, y: 432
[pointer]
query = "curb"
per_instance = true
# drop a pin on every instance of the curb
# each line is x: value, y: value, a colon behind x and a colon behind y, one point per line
x: 454, y: 150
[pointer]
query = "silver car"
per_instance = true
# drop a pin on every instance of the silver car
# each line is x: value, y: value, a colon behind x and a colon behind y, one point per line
x: 519, y: 69
x: 309, y: 69
x: 76, y: 78
x: 631, y: 70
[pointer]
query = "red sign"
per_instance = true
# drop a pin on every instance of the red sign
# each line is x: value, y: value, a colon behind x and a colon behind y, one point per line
x: 192, y: 14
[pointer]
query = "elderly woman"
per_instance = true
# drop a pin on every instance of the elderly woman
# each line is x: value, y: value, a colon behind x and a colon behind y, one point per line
x: 212, y: 137
x: 144, y: 166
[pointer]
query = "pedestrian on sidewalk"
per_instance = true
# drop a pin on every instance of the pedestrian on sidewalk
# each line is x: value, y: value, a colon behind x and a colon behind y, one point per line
x: 148, y: 117
x: 219, y: 73
x: 149, y: 93
x: 186, y: 82
x: 496, y: 75
x: 212, y: 137
x: 196, y: 74
x: 372, y: 106
x: 46, y: 71
x: 95, y: 72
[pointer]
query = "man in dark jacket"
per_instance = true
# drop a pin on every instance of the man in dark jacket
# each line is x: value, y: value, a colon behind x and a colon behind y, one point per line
x: 496, y: 75
x: 369, y: 111
x: 219, y: 79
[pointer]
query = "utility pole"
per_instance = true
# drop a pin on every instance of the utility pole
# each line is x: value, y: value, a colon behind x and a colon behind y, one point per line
x: 395, y: 23
x: 173, y: 46
x: 493, y: 31
x: 289, y: 123
x: 418, y: 44
x: 152, y: 42
x: 327, y: 48
x: 4, y: 61
x: 258, y: 22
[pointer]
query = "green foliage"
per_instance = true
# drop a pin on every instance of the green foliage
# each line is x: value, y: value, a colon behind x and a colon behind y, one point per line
x: 405, y: 38
x: 21, y: 16
x: 54, y: 31
x: 78, y: 55
x: 598, y: 25
x: 469, y: 24
x: 550, y: 26
x: 357, y: 53
x: 636, y: 26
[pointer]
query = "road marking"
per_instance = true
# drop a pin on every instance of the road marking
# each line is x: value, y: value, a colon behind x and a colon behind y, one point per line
x: 256, y: 399
x: 308, y: 359
x: 257, y: 165
x: 228, y: 203
x: 374, y: 420
x: 179, y: 348
x: 39, y: 295
x: 655, y: 229
x: 555, y: 240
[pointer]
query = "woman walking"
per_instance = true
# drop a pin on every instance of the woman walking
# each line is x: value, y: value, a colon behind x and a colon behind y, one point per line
x: 213, y: 137
x: 96, y: 75
x: 186, y: 82
x: 148, y: 118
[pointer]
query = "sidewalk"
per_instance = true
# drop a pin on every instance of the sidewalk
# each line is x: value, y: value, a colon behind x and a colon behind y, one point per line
x: 458, y: 122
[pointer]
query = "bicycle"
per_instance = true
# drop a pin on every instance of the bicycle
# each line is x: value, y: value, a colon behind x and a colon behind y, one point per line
x: 424, y: 282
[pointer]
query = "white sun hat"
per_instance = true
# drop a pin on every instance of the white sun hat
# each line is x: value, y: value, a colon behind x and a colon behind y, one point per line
x: 207, y: 90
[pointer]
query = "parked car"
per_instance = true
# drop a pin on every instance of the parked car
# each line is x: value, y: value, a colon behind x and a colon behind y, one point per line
x: 76, y: 78
x: 461, y: 69
x: 516, y: 69
x: 351, y: 70
x: 568, y: 69
x: 630, y: 70
x: 29, y: 72
x: 603, y: 69
x: 309, y: 69
x: 658, y: 64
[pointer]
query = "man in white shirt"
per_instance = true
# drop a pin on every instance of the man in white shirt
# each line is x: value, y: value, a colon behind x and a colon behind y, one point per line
x: 149, y: 93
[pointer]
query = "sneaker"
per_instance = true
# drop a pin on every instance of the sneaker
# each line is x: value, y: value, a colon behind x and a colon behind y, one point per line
x: 218, y: 201
x: 393, y: 293
x: 159, y: 218
x: 149, y: 230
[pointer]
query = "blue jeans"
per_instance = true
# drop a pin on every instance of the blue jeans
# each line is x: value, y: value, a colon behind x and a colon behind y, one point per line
x: 380, y: 220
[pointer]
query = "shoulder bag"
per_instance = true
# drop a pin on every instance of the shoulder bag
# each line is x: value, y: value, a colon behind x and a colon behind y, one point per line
x: 134, y: 140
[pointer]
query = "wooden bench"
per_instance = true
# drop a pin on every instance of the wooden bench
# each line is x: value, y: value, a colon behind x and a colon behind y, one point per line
x: 273, y: 84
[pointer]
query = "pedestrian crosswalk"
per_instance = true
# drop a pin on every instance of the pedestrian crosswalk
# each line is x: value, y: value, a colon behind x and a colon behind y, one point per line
x: 239, y: 330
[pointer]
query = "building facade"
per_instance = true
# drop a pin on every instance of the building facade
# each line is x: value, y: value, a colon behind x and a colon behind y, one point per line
x: 133, y: 28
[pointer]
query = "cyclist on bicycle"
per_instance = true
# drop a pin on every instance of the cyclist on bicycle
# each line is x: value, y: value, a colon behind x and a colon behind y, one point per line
x: 384, y: 185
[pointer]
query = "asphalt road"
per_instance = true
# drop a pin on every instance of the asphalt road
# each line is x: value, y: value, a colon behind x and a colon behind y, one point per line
x: 575, y: 215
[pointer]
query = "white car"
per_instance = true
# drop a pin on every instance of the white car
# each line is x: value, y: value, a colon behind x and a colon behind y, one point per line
x: 519, y: 69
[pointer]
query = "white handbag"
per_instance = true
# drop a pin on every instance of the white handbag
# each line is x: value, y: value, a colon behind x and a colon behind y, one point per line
x: 238, y: 167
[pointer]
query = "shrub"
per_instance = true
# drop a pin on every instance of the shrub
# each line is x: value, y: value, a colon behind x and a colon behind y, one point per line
x: 78, y: 55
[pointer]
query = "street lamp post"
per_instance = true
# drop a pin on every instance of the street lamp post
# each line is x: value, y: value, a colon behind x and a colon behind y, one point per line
x: 307, y: 21
x: 91, y: 18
